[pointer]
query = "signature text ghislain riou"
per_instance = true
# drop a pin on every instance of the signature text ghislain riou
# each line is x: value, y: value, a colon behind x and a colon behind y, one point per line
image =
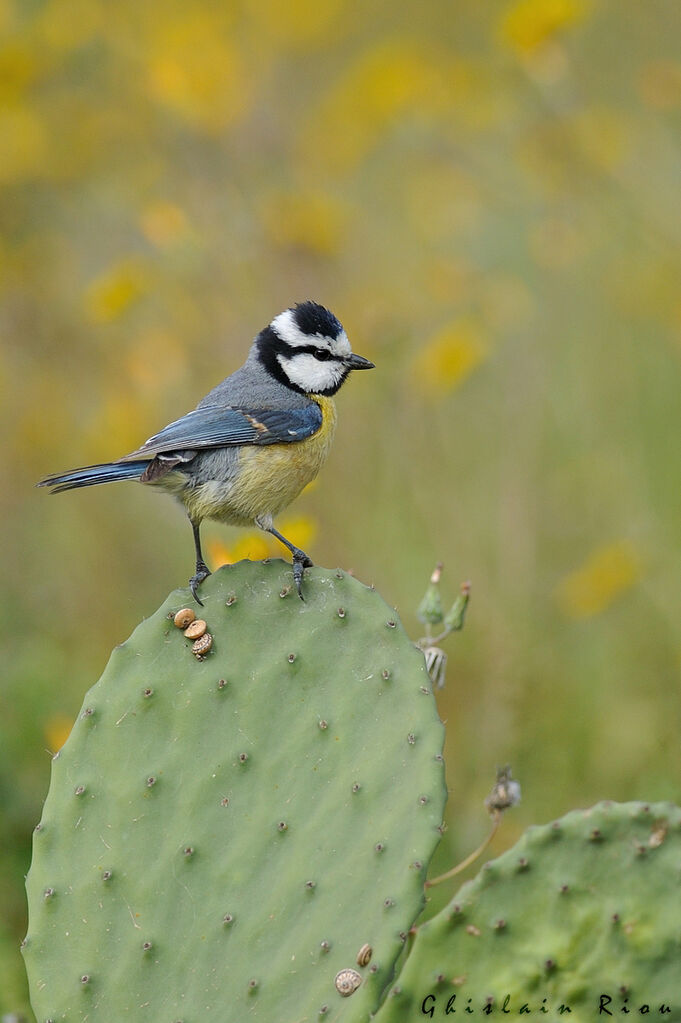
x: 434, y: 1006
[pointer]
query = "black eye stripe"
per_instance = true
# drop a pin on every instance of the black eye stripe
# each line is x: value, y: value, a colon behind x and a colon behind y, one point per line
x: 319, y: 353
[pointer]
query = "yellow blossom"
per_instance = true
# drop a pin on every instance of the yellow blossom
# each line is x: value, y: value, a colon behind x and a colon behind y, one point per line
x: 253, y: 546
x: 57, y: 730
x: 218, y: 553
x: 163, y: 222
x: 527, y: 24
x: 390, y: 81
x: 19, y: 67
x: 608, y: 572
x: 197, y: 70
x: 256, y: 545
x: 24, y: 143
x: 297, y: 24
x: 450, y: 356
x: 115, y: 290
x: 312, y: 220
x: 301, y: 530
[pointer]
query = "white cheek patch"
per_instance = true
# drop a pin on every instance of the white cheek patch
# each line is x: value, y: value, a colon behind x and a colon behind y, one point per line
x: 311, y: 375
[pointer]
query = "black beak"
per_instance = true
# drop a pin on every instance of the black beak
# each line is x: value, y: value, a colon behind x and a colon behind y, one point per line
x: 357, y: 362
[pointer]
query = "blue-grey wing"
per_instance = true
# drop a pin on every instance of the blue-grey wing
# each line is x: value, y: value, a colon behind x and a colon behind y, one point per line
x: 214, y: 426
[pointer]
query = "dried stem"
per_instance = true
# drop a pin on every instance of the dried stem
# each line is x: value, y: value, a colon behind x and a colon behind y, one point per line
x: 496, y: 821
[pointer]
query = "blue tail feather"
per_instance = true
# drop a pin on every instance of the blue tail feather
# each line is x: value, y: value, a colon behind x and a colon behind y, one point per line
x: 90, y: 475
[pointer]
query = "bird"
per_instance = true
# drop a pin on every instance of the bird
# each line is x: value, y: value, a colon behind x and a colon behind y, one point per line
x: 253, y: 442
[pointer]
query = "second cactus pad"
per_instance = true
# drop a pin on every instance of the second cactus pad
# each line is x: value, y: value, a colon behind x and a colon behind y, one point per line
x: 214, y: 825
x: 580, y: 920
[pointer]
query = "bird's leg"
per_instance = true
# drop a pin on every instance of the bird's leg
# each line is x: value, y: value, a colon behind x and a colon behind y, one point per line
x: 301, y: 560
x: 202, y: 569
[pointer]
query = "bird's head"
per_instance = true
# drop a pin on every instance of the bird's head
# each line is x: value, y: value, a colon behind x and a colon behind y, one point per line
x: 306, y: 348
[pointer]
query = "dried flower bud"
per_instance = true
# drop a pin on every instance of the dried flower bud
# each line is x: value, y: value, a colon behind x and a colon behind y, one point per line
x: 506, y: 791
x: 430, y: 609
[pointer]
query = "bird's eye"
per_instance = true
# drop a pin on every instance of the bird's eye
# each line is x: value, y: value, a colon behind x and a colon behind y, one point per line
x: 323, y: 354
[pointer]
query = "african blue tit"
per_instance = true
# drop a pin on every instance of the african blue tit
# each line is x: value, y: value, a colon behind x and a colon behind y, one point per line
x: 252, y: 444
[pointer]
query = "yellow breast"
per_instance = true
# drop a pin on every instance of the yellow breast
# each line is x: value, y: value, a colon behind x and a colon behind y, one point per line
x: 270, y: 477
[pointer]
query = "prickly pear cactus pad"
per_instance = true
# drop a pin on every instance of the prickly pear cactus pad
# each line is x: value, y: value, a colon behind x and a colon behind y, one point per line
x: 225, y: 834
x: 583, y: 913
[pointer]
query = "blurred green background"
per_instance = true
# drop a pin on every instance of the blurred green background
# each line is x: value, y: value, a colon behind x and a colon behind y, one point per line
x: 487, y: 195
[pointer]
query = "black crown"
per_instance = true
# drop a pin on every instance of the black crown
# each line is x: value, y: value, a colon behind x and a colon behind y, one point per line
x: 312, y: 318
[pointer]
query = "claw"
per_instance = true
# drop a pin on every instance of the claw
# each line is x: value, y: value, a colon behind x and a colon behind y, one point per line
x: 301, y: 561
x: 298, y: 570
x: 202, y: 572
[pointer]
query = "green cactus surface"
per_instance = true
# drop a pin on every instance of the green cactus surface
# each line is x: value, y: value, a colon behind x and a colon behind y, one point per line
x: 584, y: 914
x: 222, y: 835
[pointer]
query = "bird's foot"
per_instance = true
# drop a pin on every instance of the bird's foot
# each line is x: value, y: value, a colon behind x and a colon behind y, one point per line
x: 301, y: 561
x: 202, y: 572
